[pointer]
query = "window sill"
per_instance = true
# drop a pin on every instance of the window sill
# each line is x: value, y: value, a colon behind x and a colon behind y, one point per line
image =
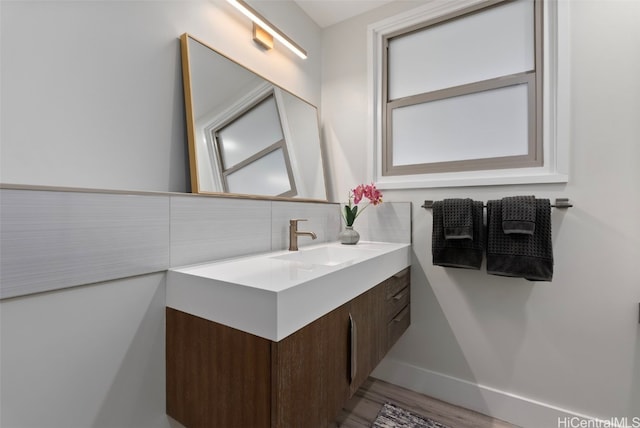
x: 473, y: 178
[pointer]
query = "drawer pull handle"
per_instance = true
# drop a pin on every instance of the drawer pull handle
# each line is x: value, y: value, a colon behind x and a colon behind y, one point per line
x: 401, y: 315
x: 401, y: 274
x: 400, y: 295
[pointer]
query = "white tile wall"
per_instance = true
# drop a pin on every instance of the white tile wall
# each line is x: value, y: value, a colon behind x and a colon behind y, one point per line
x: 389, y: 222
x: 322, y: 219
x: 51, y: 239
x: 57, y: 239
x: 204, y: 228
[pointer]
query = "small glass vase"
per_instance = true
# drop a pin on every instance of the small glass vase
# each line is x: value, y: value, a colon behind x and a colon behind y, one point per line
x: 349, y: 236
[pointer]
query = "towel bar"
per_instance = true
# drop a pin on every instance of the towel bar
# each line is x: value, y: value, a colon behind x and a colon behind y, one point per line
x: 562, y: 203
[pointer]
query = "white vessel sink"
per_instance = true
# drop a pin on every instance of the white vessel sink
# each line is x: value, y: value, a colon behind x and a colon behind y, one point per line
x: 274, y: 294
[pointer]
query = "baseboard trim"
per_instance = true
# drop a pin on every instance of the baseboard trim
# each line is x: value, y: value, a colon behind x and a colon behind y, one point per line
x: 498, y: 404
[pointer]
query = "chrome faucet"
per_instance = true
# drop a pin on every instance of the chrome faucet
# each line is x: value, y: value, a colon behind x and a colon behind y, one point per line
x: 293, y: 234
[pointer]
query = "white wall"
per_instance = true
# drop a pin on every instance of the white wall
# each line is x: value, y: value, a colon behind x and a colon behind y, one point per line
x: 511, y: 348
x: 91, y: 96
x: 92, y: 90
x: 89, y: 356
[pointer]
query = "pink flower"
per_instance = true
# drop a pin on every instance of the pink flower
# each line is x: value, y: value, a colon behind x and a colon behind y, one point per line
x: 358, y: 193
x: 373, y: 194
x: 369, y: 191
x: 361, y: 191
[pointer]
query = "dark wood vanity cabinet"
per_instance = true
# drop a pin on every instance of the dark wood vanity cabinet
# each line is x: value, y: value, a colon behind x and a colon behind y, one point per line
x: 218, y: 376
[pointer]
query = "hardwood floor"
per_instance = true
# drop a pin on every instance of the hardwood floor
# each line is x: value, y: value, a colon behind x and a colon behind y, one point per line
x: 362, y: 409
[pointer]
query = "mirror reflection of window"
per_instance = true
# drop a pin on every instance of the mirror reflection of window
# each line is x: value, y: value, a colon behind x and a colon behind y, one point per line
x: 271, y: 169
x: 252, y: 151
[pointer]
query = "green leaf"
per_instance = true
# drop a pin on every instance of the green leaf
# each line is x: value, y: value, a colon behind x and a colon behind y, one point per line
x: 350, y: 214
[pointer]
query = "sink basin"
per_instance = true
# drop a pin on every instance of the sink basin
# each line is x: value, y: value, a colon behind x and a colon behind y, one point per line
x: 326, y: 256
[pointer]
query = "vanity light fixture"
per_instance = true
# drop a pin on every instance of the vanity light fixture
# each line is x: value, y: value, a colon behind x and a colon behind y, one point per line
x: 261, y: 26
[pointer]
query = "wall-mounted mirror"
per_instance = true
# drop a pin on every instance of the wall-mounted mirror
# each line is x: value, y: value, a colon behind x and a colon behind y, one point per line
x: 246, y: 135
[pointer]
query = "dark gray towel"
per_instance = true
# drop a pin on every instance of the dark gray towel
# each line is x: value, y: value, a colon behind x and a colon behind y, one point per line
x: 461, y: 253
x: 519, y: 214
x: 520, y: 255
x: 457, y: 218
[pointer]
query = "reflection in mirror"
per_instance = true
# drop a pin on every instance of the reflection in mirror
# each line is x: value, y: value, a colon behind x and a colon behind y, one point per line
x: 247, y: 135
x: 253, y: 145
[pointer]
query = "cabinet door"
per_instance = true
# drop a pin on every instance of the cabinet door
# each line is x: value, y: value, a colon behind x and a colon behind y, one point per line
x: 337, y: 359
x: 216, y: 375
x: 310, y: 373
x: 368, y: 322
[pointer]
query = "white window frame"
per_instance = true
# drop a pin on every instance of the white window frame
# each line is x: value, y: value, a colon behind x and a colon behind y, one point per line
x: 212, y: 166
x: 556, y: 126
x: 226, y: 170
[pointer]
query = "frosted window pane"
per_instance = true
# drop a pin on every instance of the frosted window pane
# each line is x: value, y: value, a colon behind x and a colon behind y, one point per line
x: 476, y: 126
x: 254, y: 131
x: 493, y: 43
x: 266, y: 176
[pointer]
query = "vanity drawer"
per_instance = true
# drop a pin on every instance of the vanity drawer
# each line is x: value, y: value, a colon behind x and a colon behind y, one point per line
x: 397, y: 282
x: 398, y: 325
x: 398, y: 302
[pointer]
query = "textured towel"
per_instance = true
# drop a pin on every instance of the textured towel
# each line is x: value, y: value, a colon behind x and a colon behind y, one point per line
x: 462, y: 253
x: 457, y: 218
x: 519, y: 214
x: 520, y: 255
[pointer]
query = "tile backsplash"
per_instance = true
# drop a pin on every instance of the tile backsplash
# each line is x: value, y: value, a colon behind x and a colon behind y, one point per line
x: 389, y: 222
x: 204, y: 229
x: 322, y: 219
x: 53, y: 239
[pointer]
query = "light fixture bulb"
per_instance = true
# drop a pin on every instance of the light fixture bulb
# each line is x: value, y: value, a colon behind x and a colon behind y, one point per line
x: 262, y: 22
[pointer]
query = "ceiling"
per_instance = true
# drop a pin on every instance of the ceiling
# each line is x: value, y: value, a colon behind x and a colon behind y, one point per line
x: 328, y: 12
